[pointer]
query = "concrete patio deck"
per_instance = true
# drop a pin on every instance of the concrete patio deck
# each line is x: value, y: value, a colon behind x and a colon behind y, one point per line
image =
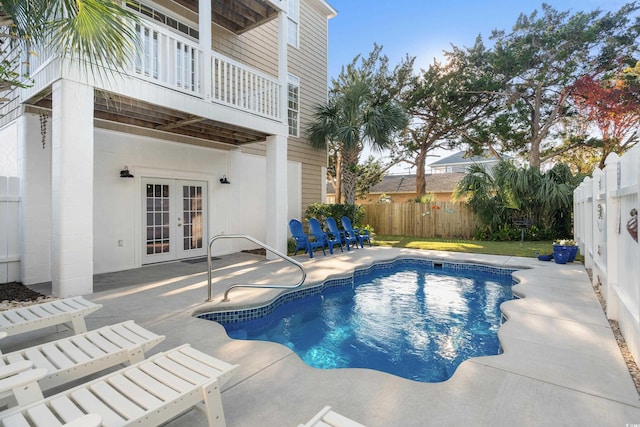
x: 561, y: 365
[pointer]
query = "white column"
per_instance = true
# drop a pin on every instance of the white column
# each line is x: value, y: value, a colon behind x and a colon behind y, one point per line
x: 35, y: 226
x: 204, y: 28
x: 277, y: 193
x: 72, y: 189
x: 277, y: 207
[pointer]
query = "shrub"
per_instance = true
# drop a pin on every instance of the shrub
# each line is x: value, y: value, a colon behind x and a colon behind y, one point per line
x: 321, y: 211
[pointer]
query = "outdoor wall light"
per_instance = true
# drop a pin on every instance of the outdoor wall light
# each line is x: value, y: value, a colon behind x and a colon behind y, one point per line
x: 224, y: 180
x: 124, y: 173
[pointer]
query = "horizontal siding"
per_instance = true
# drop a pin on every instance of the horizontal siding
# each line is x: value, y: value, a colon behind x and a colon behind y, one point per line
x: 309, y: 63
x: 257, y: 48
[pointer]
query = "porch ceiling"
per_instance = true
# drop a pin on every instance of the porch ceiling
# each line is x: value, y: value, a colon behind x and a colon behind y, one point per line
x: 237, y: 16
x: 128, y: 111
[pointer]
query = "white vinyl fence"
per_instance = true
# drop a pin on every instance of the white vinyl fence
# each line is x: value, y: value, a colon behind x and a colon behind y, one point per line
x: 606, y: 228
x: 9, y: 226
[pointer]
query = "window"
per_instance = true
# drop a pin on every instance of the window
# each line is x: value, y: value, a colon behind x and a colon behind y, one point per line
x: 293, y: 107
x: 164, y: 19
x: 293, y: 13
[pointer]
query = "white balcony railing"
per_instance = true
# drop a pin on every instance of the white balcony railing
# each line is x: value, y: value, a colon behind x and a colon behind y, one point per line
x: 236, y: 85
x: 168, y: 59
x: 172, y: 61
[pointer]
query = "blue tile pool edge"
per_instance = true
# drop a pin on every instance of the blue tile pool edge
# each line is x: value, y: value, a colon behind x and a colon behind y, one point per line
x: 251, y: 313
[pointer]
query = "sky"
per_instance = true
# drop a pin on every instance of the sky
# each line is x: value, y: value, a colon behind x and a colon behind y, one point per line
x: 425, y: 28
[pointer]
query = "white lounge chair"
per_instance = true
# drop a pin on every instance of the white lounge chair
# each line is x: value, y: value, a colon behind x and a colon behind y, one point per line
x: 56, y: 312
x: 74, y: 357
x: 328, y: 418
x: 147, y: 393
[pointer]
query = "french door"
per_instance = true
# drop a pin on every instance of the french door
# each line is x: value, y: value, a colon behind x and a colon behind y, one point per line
x: 174, y: 219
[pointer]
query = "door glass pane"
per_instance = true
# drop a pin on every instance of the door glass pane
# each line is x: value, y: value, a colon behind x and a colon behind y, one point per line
x: 157, y: 219
x: 192, y: 214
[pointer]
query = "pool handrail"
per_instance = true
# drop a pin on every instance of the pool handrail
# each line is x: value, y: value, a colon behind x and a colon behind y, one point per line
x: 250, y: 285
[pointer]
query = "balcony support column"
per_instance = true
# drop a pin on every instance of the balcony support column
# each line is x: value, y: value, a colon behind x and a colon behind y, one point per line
x: 277, y: 193
x: 204, y: 28
x: 72, y: 189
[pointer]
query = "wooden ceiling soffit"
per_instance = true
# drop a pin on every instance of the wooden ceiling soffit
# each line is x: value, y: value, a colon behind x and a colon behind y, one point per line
x: 237, y: 16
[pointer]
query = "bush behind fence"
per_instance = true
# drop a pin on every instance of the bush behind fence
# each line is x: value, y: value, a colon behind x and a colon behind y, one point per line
x: 437, y: 219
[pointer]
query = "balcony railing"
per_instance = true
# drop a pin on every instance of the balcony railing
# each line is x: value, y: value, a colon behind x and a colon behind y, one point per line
x: 175, y: 62
x: 237, y: 86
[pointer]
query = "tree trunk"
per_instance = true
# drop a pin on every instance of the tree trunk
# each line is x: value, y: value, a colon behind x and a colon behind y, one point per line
x: 350, y: 162
x: 421, y: 185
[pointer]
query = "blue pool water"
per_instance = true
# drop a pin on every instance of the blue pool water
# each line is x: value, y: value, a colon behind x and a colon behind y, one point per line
x: 412, y: 321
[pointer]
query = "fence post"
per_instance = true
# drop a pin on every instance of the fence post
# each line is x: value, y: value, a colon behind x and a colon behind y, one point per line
x: 612, y: 184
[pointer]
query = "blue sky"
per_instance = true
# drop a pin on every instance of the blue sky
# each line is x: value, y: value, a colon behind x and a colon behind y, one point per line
x: 424, y: 28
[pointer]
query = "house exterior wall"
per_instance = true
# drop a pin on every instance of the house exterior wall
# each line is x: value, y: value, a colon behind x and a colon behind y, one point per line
x: 116, y: 204
x: 309, y: 63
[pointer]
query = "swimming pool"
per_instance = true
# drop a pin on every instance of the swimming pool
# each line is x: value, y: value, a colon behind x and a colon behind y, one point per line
x: 413, y: 318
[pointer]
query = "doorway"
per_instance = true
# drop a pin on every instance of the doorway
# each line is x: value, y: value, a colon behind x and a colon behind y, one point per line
x: 174, y: 219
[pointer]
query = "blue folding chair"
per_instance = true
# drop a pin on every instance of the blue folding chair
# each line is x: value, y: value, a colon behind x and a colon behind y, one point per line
x: 360, y: 235
x: 338, y: 235
x: 315, y: 229
x: 302, y: 239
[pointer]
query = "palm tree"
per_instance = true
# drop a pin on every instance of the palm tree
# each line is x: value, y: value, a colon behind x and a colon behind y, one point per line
x: 509, y: 193
x: 352, y: 117
x: 101, y: 32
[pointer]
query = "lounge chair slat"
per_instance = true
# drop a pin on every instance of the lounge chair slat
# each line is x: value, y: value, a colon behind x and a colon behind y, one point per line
x: 12, y: 358
x: 83, y: 342
x: 66, y: 409
x: 58, y: 358
x: 165, y: 377
x: 26, y: 314
x: 99, y: 341
x: 116, y: 339
x: 14, y: 317
x: 39, y: 360
x: 134, y: 392
x: 4, y: 321
x: 73, y: 303
x: 140, y: 331
x: 38, y: 311
x: 114, y: 399
x: 127, y: 334
x: 50, y: 309
x: 91, y: 404
x: 199, y: 356
x: 181, y: 371
x: 149, y: 383
x: 73, y: 352
x: 41, y: 416
x: 15, y: 420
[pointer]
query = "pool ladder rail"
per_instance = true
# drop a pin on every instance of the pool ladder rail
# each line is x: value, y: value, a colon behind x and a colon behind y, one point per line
x: 250, y: 285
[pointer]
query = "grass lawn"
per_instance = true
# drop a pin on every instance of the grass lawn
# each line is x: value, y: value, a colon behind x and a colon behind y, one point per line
x: 524, y: 249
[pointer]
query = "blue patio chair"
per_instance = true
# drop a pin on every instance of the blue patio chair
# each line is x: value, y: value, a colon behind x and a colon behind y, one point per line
x: 338, y: 235
x: 360, y: 235
x: 316, y: 230
x: 303, y: 240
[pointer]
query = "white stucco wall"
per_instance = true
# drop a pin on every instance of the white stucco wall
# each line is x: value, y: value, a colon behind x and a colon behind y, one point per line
x: 239, y: 207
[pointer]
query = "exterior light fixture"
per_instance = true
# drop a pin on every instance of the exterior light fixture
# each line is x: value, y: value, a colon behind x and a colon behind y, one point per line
x: 124, y: 173
x: 224, y: 180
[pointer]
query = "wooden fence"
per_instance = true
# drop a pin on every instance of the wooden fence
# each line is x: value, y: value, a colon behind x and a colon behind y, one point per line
x: 9, y: 222
x: 437, y: 219
x: 606, y: 229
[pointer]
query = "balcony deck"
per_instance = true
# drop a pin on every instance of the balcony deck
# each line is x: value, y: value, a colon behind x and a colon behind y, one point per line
x: 169, y: 86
